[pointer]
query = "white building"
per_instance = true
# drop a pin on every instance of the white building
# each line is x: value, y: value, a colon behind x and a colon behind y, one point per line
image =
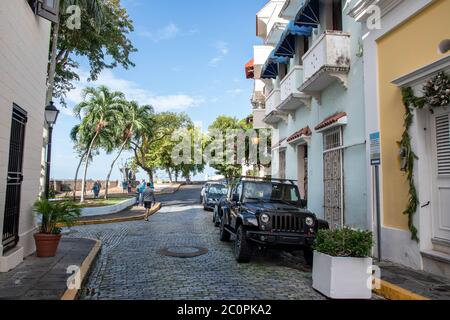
x: 24, y: 45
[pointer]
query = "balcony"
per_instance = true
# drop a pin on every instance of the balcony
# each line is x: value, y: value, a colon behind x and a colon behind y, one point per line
x: 269, y: 25
x: 328, y: 60
x: 273, y: 115
x: 291, y: 98
x: 260, y: 55
x: 258, y: 98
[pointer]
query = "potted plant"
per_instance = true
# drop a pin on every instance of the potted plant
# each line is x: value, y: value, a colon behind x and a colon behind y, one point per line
x: 53, y: 215
x: 342, y: 264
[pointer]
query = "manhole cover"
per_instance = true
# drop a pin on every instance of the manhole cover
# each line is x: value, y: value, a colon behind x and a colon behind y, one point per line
x: 183, y: 251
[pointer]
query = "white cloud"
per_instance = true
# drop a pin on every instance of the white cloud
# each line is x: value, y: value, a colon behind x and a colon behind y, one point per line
x: 166, y: 33
x: 222, y: 51
x: 235, y: 91
x: 173, y: 102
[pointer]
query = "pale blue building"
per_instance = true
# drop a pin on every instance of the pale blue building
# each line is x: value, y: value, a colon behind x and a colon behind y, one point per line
x: 309, y: 89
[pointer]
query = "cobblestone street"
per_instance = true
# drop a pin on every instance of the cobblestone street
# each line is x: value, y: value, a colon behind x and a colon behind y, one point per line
x: 130, y: 265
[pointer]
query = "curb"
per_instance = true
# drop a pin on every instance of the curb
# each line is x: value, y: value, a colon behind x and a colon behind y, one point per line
x: 72, y: 294
x: 393, y: 292
x: 153, y: 210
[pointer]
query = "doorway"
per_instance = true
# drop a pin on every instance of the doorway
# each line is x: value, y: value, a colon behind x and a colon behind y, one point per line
x: 10, y: 236
x: 302, y: 170
x: 440, y: 124
x: 333, y: 160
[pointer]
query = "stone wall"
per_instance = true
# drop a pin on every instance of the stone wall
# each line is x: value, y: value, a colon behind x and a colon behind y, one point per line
x: 62, y: 186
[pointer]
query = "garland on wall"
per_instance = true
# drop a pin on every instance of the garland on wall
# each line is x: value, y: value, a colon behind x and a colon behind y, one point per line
x: 436, y: 94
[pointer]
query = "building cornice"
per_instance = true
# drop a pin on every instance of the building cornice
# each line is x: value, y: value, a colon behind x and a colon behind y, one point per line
x: 420, y: 75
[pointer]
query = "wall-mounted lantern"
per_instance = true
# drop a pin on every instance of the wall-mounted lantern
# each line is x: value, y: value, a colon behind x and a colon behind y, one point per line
x: 47, y: 9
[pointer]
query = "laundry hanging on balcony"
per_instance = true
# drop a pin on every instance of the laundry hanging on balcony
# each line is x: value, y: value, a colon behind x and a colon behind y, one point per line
x: 286, y: 46
x: 308, y: 15
x: 270, y: 68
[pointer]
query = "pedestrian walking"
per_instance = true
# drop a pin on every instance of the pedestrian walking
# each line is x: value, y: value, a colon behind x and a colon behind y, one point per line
x: 148, y: 197
x: 141, y: 189
x: 96, y: 189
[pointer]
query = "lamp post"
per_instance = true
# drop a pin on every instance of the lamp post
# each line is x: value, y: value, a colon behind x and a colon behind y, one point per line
x: 51, y: 114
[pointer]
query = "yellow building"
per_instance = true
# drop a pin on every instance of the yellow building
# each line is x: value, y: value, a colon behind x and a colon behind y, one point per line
x: 405, y: 45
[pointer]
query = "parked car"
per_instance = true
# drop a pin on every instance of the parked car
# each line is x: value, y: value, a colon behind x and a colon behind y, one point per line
x: 202, y: 193
x: 213, y: 193
x: 267, y: 213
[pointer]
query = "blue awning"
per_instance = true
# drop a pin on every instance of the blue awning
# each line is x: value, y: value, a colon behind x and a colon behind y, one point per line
x: 286, y: 46
x: 308, y: 15
x: 270, y: 68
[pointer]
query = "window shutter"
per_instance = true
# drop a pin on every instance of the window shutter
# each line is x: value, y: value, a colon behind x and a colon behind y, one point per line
x: 443, y: 144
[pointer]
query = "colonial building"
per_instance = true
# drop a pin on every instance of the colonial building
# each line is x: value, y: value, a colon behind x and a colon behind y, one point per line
x: 309, y: 88
x: 406, y: 45
x: 24, y: 47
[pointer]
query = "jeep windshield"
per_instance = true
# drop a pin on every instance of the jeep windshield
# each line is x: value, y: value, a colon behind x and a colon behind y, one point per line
x: 271, y: 192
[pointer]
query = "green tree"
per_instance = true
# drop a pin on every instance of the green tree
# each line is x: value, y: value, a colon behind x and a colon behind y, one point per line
x: 132, y: 119
x: 102, y: 39
x: 164, y: 155
x: 222, y: 124
x: 231, y: 171
x: 150, y: 140
x: 98, y: 114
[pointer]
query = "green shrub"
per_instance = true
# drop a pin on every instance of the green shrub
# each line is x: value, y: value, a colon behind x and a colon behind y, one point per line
x: 55, y: 213
x: 344, y: 243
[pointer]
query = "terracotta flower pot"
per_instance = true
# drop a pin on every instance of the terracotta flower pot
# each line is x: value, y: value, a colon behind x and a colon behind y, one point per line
x: 46, y: 244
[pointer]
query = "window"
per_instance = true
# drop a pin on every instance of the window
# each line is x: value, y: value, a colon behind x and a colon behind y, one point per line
x: 283, y: 70
x: 337, y: 15
x: 302, y: 47
x: 332, y: 139
x: 47, y: 9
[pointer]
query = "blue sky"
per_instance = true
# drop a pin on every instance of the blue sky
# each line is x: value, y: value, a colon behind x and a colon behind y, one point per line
x: 191, y: 58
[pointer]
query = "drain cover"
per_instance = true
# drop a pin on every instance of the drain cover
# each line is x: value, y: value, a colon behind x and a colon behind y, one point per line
x: 183, y: 251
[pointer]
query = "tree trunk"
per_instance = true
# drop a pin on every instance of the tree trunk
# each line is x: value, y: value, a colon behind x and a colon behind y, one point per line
x: 76, y: 176
x: 88, y: 155
x: 112, y: 167
x: 170, y: 175
x: 150, y: 174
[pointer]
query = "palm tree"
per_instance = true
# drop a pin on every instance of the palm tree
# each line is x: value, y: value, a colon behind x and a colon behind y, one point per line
x: 98, y: 112
x: 132, y: 119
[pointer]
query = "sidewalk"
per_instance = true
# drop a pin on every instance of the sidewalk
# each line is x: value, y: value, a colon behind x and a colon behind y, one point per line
x: 46, y: 278
x: 407, y: 284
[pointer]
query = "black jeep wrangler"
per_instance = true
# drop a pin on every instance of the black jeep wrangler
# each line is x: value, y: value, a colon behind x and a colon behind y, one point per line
x: 267, y: 213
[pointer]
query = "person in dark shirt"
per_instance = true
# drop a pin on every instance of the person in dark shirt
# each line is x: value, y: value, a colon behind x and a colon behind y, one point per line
x: 148, y: 197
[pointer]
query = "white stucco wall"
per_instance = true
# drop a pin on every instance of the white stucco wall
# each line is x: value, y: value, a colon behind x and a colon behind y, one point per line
x: 24, y: 43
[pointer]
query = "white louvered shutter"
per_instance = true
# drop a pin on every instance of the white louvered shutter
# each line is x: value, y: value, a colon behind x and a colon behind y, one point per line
x: 443, y: 144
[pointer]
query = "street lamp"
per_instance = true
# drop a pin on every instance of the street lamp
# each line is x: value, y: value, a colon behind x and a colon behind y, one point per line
x: 51, y: 115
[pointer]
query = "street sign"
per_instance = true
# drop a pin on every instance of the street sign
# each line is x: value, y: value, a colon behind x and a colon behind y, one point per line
x: 375, y: 149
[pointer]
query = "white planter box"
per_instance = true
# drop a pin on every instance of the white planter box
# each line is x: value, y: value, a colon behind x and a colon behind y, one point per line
x: 342, y: 278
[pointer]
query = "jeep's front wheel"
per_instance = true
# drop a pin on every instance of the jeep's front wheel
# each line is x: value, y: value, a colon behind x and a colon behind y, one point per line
x: 242, y: 247
x: 224, y: 234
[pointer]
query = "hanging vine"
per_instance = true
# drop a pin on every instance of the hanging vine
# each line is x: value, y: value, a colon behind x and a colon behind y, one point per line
x: 436, y: 94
